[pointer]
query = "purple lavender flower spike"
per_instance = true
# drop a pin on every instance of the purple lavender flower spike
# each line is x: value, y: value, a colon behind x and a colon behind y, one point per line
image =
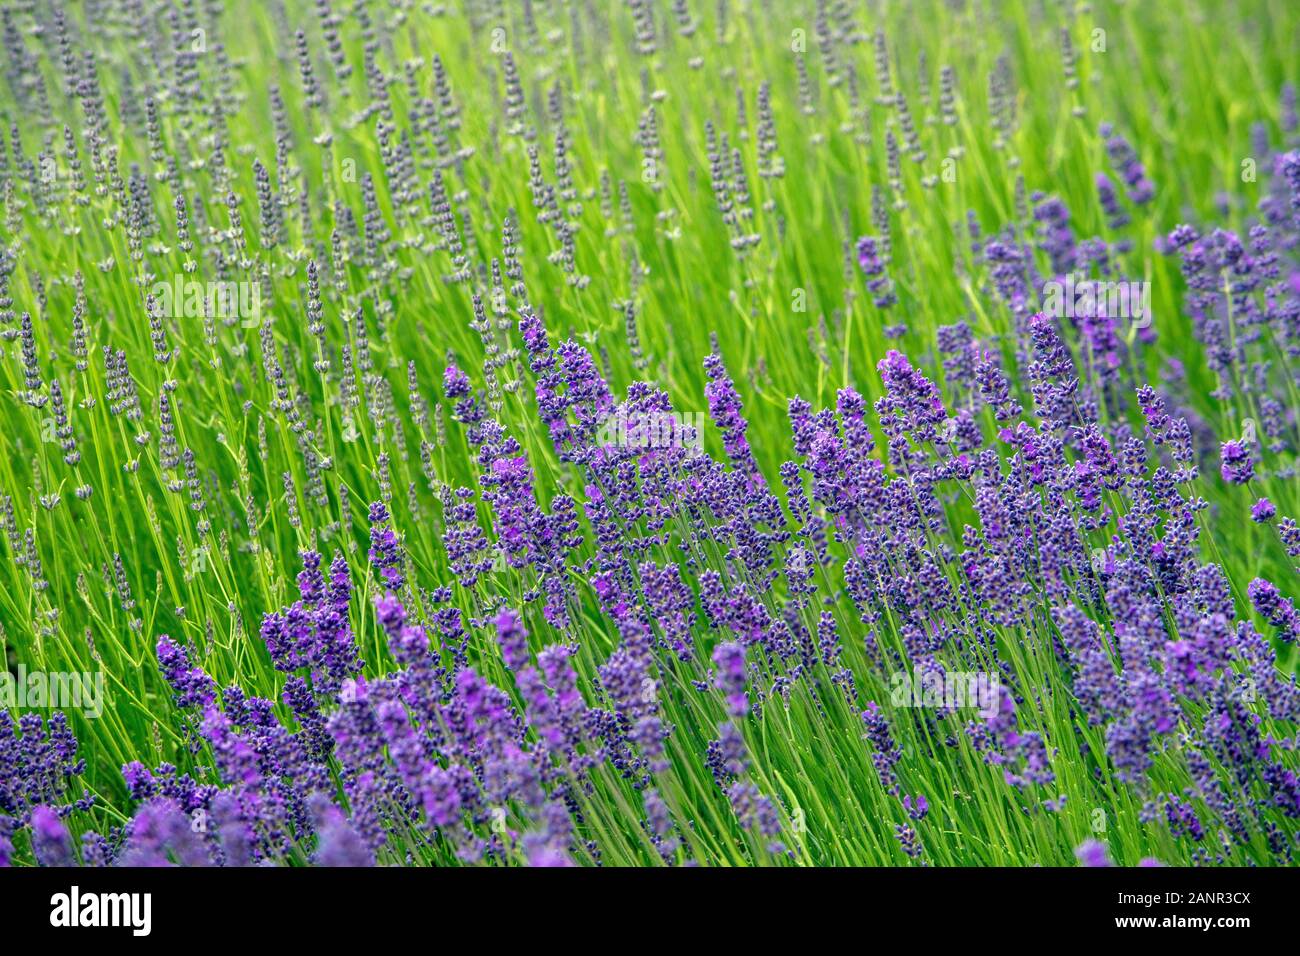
x: 190, y: 685
x: 1273, y: 607
x: 1236, y: 467
x: 338, y: 844
x: 161, y: 834
x: 725, y: 410
x: 1093, y: 853
x: 6, y: 840
x: 885, y: 754
x: 51, y: 843
x: 730, y: 660
x: 908, y: 840
x: 916, y: 807
x: 512, y: 639
x: 385, y: 551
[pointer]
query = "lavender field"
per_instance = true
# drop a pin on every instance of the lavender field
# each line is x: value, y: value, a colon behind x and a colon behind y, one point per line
x: 649, y: 433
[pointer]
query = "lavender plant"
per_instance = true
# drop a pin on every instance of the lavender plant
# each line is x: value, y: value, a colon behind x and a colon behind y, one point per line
x: 744, y: 433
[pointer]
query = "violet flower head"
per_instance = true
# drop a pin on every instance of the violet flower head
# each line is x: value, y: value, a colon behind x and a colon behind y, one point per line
x: 512, y: 638
x: 725, y: 410
x: 730, y: 659
x: 910, y: 395
x: 1236, y: 467
x: 873, y: 267
x: 139, y: 781
x: 51, y: 843
x: 442, y: 797
x: 315, y: 630
x: 1124, y: 160
x: 659, y: 822
x: 311, y: 582
x: 1093, y: 854
x: 1277, y: 610
x: 754, y: 809
x: 1262, y: 511
x: 885, y: 754
x: 338, y: 844
x: 534, y: 334
x: 917, y: 807
x: 390, y: 615
x: 6, y: 840
x: 908, y: 840
x: 1116, y: 217
x: 190, y: 685
x: 455, y: 383
x: 727, y: 757
x: 385, y: 551
x: 236, y: 759
x: 162, y: 834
